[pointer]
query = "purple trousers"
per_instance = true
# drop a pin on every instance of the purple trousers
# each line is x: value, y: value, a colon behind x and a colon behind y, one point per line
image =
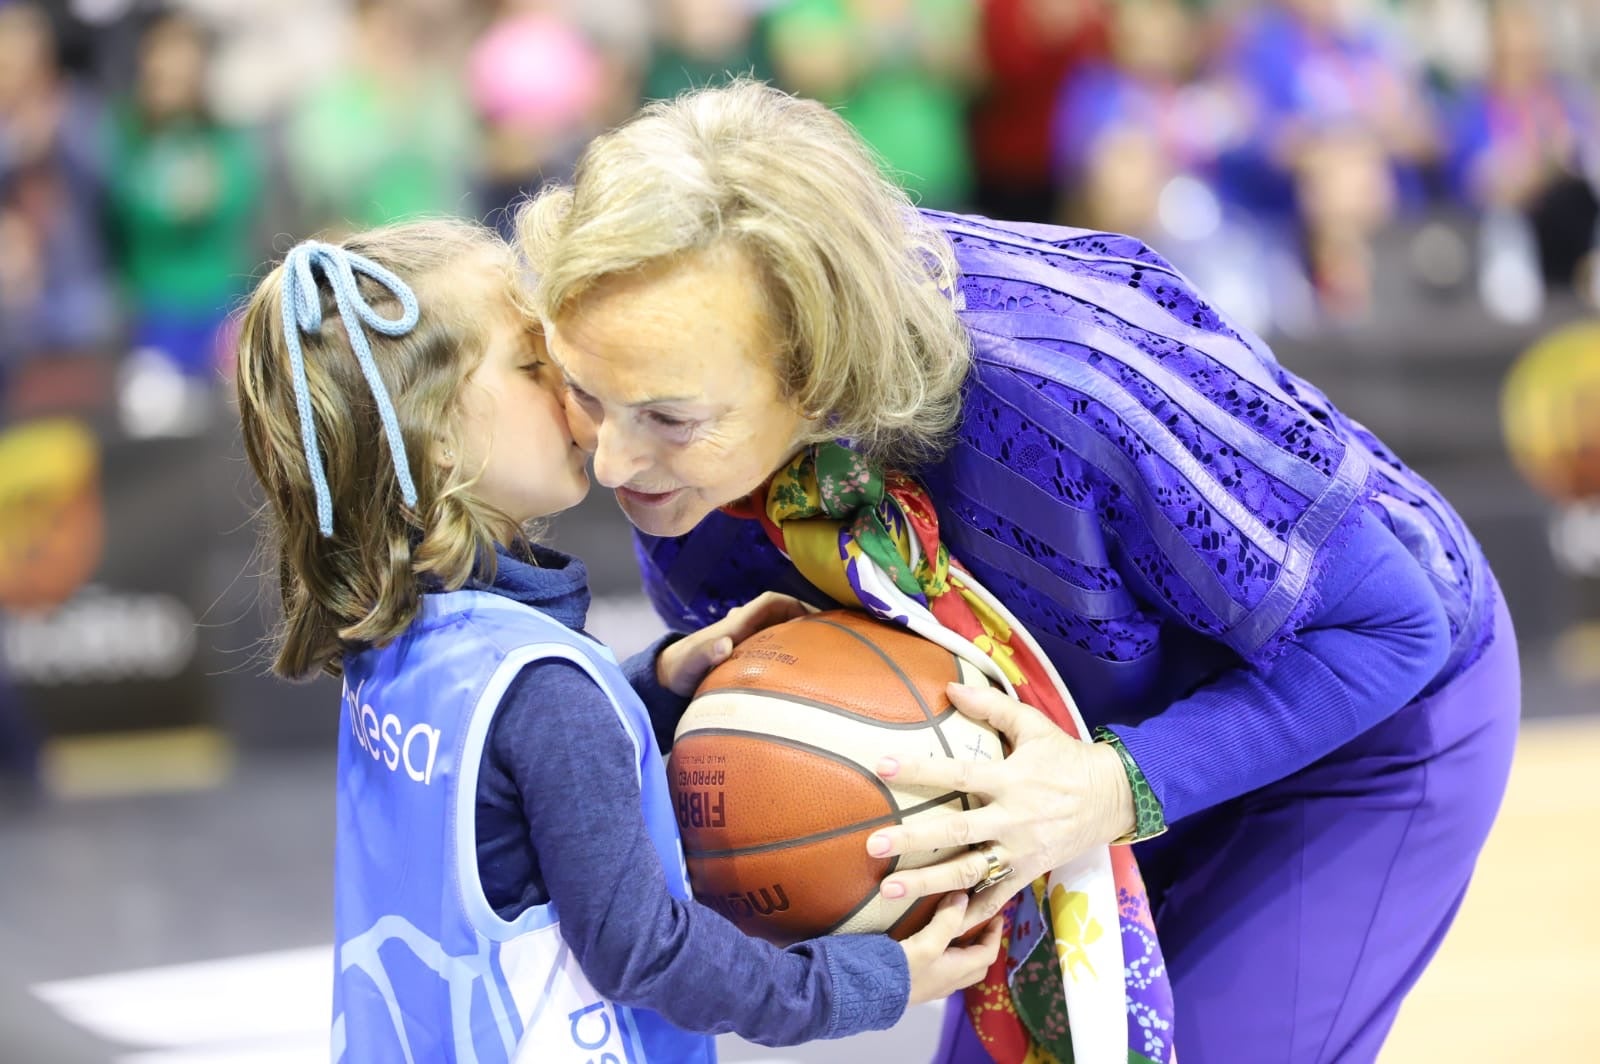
x: 1294, y: 919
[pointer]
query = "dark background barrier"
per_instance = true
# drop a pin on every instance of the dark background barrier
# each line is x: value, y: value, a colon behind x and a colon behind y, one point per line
x: 171, y: 629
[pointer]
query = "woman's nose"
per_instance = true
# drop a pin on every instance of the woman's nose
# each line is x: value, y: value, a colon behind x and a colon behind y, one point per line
x: 618, y: 454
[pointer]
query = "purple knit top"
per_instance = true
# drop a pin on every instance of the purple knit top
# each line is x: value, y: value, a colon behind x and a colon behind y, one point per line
x: 1161, y: 503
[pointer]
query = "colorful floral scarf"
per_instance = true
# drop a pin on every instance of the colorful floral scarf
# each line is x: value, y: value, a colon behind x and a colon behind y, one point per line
x: 1063, y: 989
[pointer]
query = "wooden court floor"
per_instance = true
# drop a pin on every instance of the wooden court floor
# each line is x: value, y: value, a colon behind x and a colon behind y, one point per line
x: 1518, y: 979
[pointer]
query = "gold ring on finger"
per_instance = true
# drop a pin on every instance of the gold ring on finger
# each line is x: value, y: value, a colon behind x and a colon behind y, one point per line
x: 995, y: 873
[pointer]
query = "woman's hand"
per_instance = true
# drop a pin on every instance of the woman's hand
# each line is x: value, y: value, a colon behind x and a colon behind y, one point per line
x: 682, y: 665
x: 1052, y: 798
x: 940, y: 966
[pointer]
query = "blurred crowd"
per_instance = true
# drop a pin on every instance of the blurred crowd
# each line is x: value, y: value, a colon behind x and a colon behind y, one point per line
x: 151, y: 157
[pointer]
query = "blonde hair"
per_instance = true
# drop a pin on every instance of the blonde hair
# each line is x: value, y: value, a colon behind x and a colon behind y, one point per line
x: 362, y: 585
x: 861, y: 288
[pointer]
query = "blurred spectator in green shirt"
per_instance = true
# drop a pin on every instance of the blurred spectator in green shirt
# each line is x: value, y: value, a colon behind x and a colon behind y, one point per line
x: 184, y: 193
x: 699, y: 43
x: 900, y: 71
x: 389, y: 136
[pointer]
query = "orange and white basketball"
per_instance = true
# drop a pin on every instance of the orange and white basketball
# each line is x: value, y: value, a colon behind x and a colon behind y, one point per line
x: 772, y: 772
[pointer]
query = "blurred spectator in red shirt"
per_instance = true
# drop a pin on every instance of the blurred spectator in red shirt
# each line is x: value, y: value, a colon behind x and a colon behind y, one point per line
x: 1028, y: 48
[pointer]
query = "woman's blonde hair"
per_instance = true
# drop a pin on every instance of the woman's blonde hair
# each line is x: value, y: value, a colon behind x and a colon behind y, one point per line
x: 361, y: 586
x: 861, y: 288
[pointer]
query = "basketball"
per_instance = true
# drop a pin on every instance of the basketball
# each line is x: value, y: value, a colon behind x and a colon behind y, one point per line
x: 1550, y: 412
x: 773, y: 781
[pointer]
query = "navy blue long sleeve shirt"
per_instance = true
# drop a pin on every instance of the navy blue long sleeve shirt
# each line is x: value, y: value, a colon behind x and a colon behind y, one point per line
x: 558, y: 819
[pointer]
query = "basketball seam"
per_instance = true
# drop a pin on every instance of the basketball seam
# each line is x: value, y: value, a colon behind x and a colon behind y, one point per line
x: 866, y: 901
x: 966, y: 802
x: 898, y: 671
x: 836, y: 710
x: 829, y: 755
x: 832, y: 833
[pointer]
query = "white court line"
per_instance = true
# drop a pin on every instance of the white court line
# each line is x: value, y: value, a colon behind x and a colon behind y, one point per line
x: 238, y: 1006
x: 313, y: 1051
x: 264, y: 1008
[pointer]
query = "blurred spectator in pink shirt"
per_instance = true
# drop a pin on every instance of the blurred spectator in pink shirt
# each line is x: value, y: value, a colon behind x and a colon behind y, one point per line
x: 539, y: 87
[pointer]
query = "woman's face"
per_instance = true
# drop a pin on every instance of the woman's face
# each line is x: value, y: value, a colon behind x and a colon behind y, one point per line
x: 672, y: 384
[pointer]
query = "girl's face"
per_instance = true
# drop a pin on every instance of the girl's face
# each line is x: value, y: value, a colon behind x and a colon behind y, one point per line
x: 515, y: 437
x: 672, y: 383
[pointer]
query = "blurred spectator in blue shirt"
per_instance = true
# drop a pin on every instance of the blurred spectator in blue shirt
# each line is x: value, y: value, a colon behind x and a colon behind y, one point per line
x: 1340, y: 140
x: 1526, y: 140
x: 55, y: 298
x: 1309, y: 66
x: 1126, y: 126
x: 1135, y: 143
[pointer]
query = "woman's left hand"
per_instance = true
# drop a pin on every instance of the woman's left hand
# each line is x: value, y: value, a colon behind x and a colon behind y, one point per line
x: 682, y: 665
x: 1051, y: 799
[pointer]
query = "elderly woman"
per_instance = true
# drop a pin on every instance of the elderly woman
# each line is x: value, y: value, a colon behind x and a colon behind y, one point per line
x: 1292, y: 651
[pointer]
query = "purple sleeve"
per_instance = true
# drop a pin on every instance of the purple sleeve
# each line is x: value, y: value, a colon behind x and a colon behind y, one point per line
x: 1377, y: 638
x: 558, y: 737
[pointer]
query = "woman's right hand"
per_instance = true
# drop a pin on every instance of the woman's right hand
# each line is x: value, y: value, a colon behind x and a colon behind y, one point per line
x: 939, y: 965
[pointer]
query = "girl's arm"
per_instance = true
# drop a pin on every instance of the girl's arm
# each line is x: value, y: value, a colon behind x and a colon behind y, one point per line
x: 558, y: 750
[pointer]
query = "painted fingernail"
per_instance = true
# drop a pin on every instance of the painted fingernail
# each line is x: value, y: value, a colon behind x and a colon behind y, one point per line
x: 878, y: 845
x: 888, y: 766
x: 893, y: 890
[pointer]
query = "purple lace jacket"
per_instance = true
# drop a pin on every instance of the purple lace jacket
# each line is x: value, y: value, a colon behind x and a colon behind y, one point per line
x: 1142, y: 484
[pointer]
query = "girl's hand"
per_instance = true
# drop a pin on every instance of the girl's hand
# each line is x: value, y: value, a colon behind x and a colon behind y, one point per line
x: 1052, y: 798
x: 682, y: 665
x: 939, y: 966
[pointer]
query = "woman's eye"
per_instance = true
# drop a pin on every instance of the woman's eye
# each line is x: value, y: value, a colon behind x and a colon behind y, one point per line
x: 533, y: 369
x: 667, y: 421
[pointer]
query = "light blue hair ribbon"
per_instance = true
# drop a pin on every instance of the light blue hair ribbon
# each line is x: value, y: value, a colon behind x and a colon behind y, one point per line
x: 302, y: 312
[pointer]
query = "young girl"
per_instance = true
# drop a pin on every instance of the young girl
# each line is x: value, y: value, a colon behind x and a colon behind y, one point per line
x: 509, y: 883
